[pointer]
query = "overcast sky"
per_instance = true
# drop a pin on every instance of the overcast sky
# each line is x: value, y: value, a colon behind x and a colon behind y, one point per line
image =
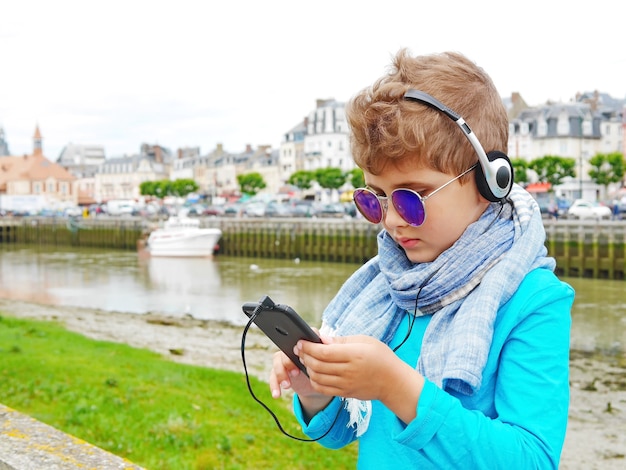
x: 201, y: 72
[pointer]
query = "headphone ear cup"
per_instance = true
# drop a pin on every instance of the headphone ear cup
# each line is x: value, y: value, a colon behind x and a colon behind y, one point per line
x: 499, y: 185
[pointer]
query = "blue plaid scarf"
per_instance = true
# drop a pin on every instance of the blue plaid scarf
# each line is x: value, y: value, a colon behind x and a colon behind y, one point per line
x: 463, y: 289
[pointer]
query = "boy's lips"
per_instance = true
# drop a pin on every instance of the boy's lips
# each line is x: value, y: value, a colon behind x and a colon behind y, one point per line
x: 407, y: 243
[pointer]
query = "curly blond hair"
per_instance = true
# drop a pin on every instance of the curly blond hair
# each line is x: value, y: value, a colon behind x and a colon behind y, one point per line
x: 386, y: 129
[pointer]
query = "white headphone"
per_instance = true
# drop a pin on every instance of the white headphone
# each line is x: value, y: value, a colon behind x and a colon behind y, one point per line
x: 494, y: 175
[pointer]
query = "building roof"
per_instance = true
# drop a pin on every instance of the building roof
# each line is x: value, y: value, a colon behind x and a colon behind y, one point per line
x: 78, y: 153
x: 32, y: 168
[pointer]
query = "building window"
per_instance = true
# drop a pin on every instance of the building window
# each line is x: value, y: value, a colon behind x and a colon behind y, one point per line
x: 524, y: 128
x: 562, y: 126
x: 542, y: 128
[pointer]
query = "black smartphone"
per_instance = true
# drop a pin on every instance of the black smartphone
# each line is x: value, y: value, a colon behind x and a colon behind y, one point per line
x: 282, y: 325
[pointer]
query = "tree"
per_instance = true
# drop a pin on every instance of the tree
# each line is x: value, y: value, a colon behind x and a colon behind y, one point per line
x: 161, y: 188
x: 301, y: 179
x: 330, y: 178
x: 251, y: 183
x: 607, y: 168
x: 147, y: 188
x: 520, y: 175
x: 356, y: 178
x: 552, y: 169
x: 182, y: 187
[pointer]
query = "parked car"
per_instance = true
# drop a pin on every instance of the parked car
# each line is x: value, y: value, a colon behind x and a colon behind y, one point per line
x: 582, y: 209
x: 334, y: 209
x: 214, y: 210
x: 254, y: 209
x: 194, y: 210
x: 73, y: 211
x: 554, y: 208
x: 278, y: 209
x: 234, y: 209
x: 303, y: 208
x: 620, y: 209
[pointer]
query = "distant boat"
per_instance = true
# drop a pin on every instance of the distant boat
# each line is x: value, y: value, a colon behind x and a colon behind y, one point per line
x: 182, y: 236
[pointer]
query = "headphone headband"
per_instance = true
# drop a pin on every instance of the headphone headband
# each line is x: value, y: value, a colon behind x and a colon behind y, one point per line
x: 496, y: 167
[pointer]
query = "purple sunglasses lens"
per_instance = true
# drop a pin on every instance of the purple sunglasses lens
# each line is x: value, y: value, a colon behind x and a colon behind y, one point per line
x: 409, y: 206
x: 368, y: 205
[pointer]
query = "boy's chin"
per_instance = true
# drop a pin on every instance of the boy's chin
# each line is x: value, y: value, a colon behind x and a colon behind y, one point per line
x: 420, y: 256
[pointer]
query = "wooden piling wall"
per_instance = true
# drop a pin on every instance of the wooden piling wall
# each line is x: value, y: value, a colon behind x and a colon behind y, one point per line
x: 316, y: 240
x: 588, y: 248
x: 104, y: 233
x: 581, y: 248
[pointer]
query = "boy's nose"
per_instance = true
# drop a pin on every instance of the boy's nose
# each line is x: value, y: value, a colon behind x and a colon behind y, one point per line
x: 391, y: 217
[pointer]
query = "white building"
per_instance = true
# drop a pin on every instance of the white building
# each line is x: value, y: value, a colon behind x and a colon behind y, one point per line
x: 326, y: 143
x: 121, y: 177
x: 183, y: 166
x: 82, y: 161
x: 264, y: 161
x: 291, y: 152
x: 577, y: 130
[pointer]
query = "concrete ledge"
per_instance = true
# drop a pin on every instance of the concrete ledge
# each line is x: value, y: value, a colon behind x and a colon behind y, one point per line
x: 27, y: 444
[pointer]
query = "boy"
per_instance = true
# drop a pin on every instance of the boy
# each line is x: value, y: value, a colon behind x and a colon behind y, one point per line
x: 450, y: 348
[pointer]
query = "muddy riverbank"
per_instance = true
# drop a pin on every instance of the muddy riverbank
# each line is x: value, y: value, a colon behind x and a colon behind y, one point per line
x: 596, y: 436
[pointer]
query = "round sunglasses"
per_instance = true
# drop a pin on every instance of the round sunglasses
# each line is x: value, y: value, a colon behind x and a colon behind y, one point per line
x: 407, y: 203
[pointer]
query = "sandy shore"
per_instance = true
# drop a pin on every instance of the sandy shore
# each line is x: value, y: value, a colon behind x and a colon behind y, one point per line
x: 596, y: 436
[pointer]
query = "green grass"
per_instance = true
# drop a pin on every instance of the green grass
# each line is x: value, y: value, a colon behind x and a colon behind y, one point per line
x: 152, y: 411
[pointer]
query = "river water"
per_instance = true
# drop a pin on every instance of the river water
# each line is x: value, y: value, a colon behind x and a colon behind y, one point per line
x: 216, y: 288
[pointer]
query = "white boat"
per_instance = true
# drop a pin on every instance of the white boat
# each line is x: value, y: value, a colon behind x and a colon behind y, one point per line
x: 182, y: 236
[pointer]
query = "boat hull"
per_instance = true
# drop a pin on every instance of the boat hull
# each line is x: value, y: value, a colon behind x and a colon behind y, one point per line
x: 199, y: 243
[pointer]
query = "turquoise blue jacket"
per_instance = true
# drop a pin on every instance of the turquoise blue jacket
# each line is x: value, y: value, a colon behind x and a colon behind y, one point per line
x: 518, y: 417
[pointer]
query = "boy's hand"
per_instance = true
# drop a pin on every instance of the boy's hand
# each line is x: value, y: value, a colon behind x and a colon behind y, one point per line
x: 349, y: 366
x: 285, y: 374
x: 362, y: 367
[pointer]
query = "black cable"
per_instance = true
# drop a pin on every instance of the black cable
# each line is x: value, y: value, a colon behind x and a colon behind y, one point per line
x: 260, y: 402
x: 411, y: 323
x: 413, y: 317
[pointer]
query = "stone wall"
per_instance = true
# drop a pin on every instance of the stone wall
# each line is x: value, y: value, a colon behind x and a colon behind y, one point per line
x: 28, y: 444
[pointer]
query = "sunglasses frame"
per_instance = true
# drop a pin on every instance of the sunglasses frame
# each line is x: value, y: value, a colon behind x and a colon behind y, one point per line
x: 383, y: 201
